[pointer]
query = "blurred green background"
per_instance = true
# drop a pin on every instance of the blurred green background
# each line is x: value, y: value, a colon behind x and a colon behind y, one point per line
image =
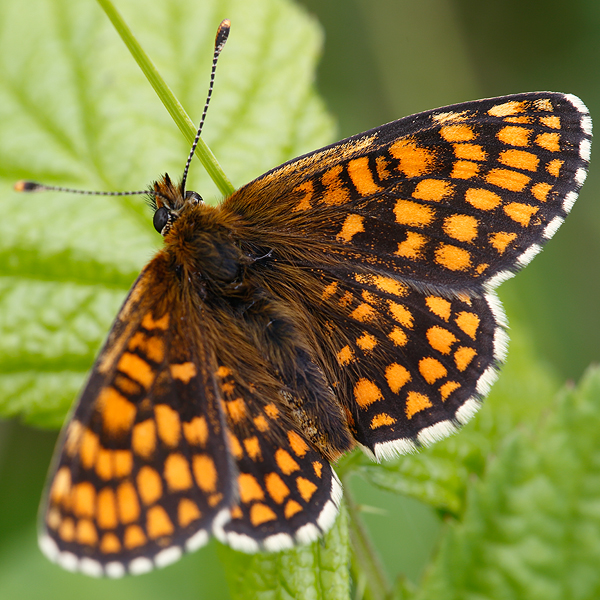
x: 384, y: 59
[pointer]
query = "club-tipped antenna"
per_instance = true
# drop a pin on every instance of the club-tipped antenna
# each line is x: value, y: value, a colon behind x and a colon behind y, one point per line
x: 26, y: 185
x: 220, y: 39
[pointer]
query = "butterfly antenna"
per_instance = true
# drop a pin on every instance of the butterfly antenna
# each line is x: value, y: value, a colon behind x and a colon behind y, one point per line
x: 33, y: 186
x: 220, y: 39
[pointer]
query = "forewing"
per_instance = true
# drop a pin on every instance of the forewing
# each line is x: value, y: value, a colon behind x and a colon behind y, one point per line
x: 142, y: 471
x: 453, y: 199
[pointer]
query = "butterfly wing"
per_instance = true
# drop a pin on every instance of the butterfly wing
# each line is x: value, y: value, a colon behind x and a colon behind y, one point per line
x: 409, y: 367
x: 185, y: 428
x: 283, y: 423
x: 288, y: 492
x: 393, y: 241
x: 142, y: 470
x: 456, y: 198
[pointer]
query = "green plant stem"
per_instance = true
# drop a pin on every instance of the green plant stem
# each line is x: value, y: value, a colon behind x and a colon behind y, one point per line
x: 366, y: 566
x: 177, y: 112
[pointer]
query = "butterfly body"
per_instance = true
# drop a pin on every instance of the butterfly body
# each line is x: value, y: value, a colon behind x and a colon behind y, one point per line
x: 344, y: 298
x: 226, y: 271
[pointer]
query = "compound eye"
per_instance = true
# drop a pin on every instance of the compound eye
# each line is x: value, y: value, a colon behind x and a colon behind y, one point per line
x: 194, y: 197
x: 161, y: 218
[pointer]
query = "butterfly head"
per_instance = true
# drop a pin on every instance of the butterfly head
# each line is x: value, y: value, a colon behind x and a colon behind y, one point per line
x: 169, y: 201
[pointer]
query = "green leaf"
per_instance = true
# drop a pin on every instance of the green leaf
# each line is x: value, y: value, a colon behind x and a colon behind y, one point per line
x: 531, y: 529
x: 76, y: 111
x: 318, y: 571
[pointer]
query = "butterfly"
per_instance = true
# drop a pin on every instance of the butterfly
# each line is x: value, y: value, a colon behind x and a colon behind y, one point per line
x: 345, y: 298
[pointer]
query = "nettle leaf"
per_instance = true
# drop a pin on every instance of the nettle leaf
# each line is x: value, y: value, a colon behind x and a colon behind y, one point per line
x: 318, y: 571
x: 531, y: 527
x: 76, y: 111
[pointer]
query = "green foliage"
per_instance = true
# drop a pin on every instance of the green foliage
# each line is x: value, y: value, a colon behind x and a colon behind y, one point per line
x: 318, y: 571
x: 531, y: 526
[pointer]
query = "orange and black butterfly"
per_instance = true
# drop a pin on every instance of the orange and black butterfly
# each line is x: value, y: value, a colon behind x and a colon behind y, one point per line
x: 344, y: 298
